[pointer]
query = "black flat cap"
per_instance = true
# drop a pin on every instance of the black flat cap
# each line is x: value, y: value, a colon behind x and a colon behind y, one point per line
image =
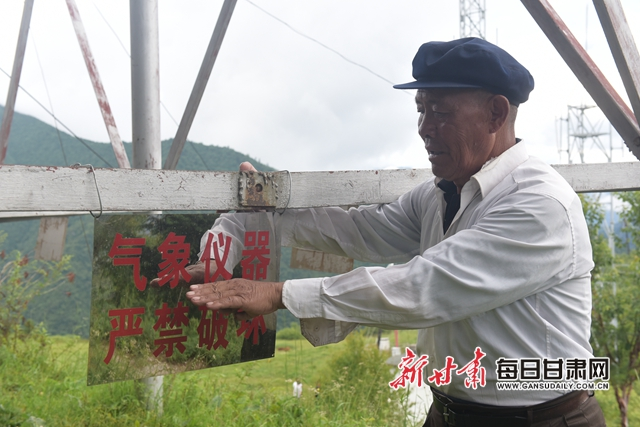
x: 470, y: 63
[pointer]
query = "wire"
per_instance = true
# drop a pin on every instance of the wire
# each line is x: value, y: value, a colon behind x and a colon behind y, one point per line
x: 112, y: 30
x: 95, y: 180
x: 64, y: 155
x: 59, y: 121
x: 369, y: 70
x: 161, y: 103
x: 46, y: 88
x: 199, y: 155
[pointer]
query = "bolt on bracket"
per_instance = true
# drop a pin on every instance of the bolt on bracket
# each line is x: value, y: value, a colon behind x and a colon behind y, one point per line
x: 257, y: 189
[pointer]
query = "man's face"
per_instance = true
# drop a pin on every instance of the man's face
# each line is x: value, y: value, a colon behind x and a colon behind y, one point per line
x: 454, y: 126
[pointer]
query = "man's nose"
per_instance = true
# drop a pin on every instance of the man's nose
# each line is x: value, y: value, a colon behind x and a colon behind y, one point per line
x: 426, y: 129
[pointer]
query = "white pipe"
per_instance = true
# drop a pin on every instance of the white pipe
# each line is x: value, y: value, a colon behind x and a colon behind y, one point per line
x: 145, y: 84
x: 145, y: 113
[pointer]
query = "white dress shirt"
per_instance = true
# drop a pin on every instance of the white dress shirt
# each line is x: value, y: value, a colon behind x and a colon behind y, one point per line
x: 511, y: 275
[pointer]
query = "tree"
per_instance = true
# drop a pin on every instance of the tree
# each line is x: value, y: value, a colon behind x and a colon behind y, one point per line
x: 615, y: 327
x: 21, y: 279
x: 594, y: 215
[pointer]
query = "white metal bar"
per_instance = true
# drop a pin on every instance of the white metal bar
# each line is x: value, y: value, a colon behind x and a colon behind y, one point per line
x: 593, y: 80
x: 40, y: 188
x: 201, y: 83
x: 601, y: 177
x: 20, y: 216
x: 101, y: 95
x: 623, y: 48
x: 145, y: 84
x: 5, y: 128
x: 348, y: 188
x: 145, y: 107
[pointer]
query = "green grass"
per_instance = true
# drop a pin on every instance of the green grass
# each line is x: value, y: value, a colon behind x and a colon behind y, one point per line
x: 46, y: 385
x: 607, y: 400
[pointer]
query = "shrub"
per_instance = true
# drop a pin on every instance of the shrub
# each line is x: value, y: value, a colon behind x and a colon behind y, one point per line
x: 21, y: 279
x: 359, y: 383
x: 290, y: 333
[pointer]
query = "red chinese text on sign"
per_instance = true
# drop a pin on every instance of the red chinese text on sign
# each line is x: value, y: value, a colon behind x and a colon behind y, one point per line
x: 210, y: 328
x: 256, y: 257
x: 254, y: 267
x: 169, y: 321
x: 175, y: 255
x: 126, y: 324
x: 253, y: 327
x: 214, y: 244
x: 124, y: 255
x: 476, y: 375
x: 411, y: 369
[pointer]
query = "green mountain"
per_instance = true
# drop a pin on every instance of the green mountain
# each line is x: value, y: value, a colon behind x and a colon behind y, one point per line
x: 32, y: 142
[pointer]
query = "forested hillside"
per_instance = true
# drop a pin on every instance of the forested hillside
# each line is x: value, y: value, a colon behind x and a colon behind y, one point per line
x: 33, y: 142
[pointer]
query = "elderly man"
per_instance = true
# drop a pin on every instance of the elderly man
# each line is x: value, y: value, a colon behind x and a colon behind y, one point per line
x: 493, y: 256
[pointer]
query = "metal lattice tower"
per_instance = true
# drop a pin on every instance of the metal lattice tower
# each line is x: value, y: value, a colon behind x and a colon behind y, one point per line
x: 472, y: 18
x: 580, y: 130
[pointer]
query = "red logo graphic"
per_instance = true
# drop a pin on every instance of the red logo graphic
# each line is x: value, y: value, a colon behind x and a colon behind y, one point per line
x: 411, y: 369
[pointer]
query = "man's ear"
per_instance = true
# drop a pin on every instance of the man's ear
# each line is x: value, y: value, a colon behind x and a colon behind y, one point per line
x: 499, y: 107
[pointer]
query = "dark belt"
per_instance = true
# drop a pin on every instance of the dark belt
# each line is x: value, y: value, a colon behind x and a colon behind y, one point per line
x: 474, y: 415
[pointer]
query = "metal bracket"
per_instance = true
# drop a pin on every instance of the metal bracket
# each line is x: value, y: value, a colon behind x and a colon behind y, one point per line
x: 257, y: 189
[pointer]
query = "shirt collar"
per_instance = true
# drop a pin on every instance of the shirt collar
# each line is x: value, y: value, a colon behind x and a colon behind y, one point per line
x: 496, y: 169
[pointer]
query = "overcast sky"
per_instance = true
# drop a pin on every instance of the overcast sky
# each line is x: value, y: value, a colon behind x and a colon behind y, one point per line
x: 284, y: 99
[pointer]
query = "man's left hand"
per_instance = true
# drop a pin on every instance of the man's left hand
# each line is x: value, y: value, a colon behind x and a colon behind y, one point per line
x: 251, y: 297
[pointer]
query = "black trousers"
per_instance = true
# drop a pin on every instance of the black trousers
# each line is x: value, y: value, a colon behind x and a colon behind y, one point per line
x: 588, y: 413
